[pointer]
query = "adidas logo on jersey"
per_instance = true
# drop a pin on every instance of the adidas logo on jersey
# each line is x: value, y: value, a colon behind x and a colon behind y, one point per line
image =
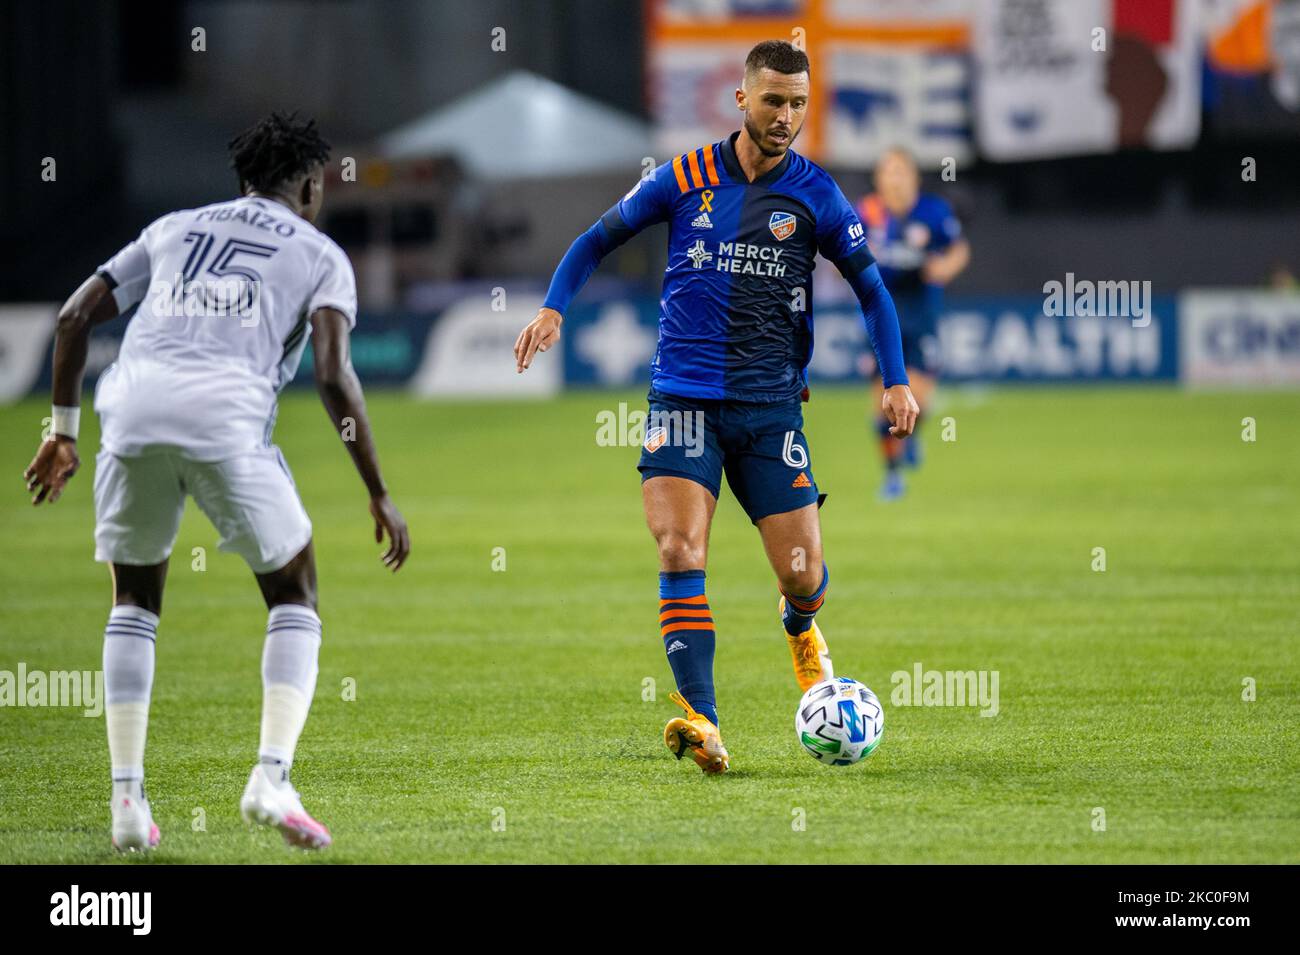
x: 702, y: 221
x: 802, y: 481
x: 675, y: 646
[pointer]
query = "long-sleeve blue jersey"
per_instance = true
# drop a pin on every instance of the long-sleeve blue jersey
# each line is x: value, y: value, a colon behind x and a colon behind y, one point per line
x: 736, y: 316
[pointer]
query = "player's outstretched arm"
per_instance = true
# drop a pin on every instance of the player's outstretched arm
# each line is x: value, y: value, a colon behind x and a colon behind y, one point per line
x: 570, y: 275
x: 56, y: 459
x: 881, y: 317
x: 340, y: 392
x: 646, y: 203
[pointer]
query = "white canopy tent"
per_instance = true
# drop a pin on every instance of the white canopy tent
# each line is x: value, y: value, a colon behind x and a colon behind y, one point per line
x: 525, y: 126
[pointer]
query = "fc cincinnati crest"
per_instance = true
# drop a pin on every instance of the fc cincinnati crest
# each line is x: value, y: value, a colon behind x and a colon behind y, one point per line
x: 655, y: 438
x: 782, y: 225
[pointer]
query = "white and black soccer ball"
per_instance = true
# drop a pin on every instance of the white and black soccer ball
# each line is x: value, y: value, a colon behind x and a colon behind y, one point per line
x: 839, y: 721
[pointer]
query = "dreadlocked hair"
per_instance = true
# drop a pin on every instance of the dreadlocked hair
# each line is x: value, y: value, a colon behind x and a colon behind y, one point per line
x: 275, y: 150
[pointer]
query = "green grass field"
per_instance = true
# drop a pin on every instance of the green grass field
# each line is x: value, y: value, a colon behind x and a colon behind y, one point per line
x: 517, y: 695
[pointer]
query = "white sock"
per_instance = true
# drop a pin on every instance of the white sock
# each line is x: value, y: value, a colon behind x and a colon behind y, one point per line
x: 289, y: 668
x: 128, y: 683
x: 128, y: 789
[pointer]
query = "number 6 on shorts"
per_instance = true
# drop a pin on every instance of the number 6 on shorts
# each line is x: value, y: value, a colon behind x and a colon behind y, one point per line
x: 793, y: 454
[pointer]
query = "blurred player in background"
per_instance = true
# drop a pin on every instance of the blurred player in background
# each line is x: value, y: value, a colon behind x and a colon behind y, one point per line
x: 747, y: 217
x: 228, y: 296
x: 916, y: 237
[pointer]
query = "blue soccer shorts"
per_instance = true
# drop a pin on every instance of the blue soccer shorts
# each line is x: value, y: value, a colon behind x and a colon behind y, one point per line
x: 761, y: 449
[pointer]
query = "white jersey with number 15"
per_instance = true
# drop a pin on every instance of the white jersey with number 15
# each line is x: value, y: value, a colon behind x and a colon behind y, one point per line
x: 224, y: 293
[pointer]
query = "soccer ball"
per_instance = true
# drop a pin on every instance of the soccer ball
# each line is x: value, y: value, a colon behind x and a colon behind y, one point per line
x: 839, y: 721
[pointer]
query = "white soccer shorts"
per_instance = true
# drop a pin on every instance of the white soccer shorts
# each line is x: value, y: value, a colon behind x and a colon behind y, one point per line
x: 249, y: 498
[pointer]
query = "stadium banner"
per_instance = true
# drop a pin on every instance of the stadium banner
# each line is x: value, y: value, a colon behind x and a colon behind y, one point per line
x: 980, y: 339
x: 1240, y: 338
x: 1067, y: 77
x: 881, y: 96
x: 1252, y: 73
x: 387, y: 349
x: 465, y: 350
x: 470, y: 353
x: 886, y: 72
x: 26, y: 335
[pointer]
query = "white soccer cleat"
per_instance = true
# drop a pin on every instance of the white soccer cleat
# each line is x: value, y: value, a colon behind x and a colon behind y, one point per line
x: 133, y: 826
x: 268, y: 803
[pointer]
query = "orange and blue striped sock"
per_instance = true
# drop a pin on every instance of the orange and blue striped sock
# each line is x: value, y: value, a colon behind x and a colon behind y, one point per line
x: 890, y: 447
x: 686, y: 624
x: 799, y: 611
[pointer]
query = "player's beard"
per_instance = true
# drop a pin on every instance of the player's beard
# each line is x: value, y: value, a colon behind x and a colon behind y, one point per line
x: 757, y: 137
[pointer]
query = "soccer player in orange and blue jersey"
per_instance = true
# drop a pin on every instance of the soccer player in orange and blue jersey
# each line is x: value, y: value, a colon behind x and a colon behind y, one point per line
x: 917, y: 240
x: 747, y: 217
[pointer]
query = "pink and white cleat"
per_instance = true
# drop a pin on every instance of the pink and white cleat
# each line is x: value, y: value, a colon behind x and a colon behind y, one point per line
x: 133, y: 826
x: 270, y: 803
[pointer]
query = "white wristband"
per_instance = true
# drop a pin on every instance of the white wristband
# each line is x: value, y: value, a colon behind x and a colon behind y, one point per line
x: 65, y: 420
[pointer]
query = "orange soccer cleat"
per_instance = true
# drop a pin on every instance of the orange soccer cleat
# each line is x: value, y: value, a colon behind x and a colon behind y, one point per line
x: 696, y: 734
x: 812, y: 658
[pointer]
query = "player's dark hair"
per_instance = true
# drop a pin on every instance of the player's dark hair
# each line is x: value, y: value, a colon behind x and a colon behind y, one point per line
x: 779, y: 55
x: 276, y: 150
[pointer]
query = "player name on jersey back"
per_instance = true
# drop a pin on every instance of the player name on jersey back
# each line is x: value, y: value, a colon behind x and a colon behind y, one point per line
x: 242, y: 212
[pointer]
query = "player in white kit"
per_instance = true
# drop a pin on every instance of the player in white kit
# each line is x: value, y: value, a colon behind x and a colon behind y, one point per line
x: 228, y: 295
